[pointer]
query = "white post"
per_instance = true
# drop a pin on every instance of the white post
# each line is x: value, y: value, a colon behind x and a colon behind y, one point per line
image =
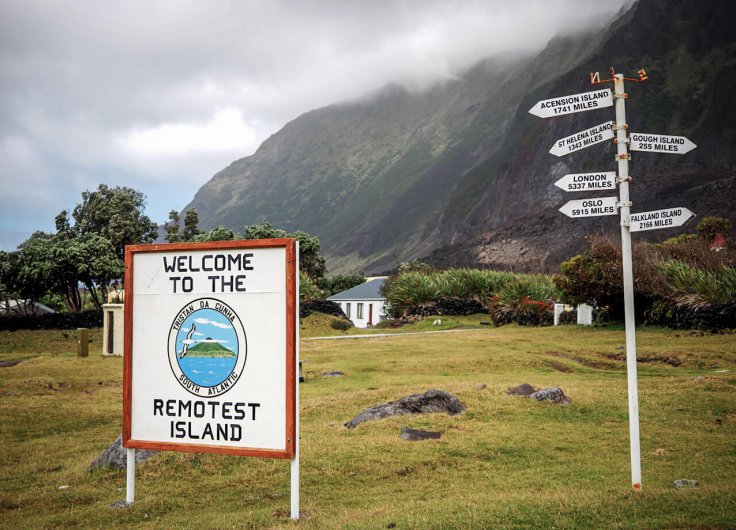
x: 130, y: 482
x: 628, y: 277
x: 295, y: 461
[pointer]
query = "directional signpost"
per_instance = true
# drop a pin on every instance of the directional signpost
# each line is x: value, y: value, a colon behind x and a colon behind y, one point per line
x: 581, y: 140
x: 600, y: 181
x: 661, y: 143
x: 656, y: 219
x: 590, y: 207
x: 573, y: 103
x: 603, y: 180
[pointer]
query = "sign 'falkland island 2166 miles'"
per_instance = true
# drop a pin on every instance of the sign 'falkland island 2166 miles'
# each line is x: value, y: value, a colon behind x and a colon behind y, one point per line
x: 210, y: 347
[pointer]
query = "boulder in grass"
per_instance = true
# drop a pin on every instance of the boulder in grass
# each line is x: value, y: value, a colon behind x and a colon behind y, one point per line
x: 430, y: 401
x: 416, y: 435
x: 525, y: 390
x: 116, y: 456
x: 553, y: 394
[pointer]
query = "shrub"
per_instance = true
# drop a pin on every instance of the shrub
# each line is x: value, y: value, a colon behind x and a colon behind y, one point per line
x: 308, y: 289
x: 320, y: 305
x: 342, y: 325
x: 528, y: 301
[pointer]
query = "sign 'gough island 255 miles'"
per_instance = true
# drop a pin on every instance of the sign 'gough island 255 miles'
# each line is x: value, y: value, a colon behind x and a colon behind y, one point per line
x: 210, y: 347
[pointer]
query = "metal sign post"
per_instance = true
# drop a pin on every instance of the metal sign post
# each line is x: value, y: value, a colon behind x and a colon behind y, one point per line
x: 622, y: 157
x: 670, y: 217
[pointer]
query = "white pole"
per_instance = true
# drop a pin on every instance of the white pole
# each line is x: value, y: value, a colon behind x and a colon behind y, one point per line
x: 130, y: 476
x: 295, y: 461
x: 628, y: 276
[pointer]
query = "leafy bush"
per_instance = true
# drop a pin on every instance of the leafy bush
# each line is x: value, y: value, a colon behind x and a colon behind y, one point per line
x: 308, y: 289
x: 342, y: 325
x: 680, y: 282
x: 339, y: 283
x: 449, y: 307
x: 528, y: 301
x: 320, y: 305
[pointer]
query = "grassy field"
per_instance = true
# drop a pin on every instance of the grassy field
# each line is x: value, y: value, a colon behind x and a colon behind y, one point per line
x: 506, y: 462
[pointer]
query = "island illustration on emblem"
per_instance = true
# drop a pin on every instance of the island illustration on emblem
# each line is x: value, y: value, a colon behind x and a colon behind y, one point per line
x: 206, y: 347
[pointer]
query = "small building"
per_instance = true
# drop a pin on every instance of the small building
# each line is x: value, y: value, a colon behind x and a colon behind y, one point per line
x: 363, y: 304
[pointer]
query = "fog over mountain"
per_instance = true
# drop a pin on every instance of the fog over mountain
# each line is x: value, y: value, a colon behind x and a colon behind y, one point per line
x: 160, y: 95
x: 463, y: 167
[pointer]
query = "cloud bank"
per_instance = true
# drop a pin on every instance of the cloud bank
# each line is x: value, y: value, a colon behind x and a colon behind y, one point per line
x: 160, y: 95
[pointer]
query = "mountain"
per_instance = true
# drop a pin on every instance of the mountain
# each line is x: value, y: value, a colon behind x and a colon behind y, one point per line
x: 209, y: 349
x: 462, y: 170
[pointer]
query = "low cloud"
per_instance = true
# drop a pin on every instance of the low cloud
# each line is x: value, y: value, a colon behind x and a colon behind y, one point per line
x: 157, y: 94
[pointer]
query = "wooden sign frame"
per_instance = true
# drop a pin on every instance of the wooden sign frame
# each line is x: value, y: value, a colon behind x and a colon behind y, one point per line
x: 290, y: 306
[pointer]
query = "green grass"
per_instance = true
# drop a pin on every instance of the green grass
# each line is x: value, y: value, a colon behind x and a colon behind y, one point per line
x: 505, y: 463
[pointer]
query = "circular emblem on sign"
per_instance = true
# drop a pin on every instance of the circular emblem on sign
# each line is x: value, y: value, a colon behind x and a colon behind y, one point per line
x: 207, y: 347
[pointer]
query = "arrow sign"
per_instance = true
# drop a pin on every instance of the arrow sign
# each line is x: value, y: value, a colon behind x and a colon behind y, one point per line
x: 581, y: 140
x: 590, y: 207
x: 573, y: 103
x: 661, y: 143
x: 657, y: 219
x: 588, y: 181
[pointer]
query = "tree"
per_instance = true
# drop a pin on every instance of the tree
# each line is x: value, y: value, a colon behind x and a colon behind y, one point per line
x: 191, y: 222
x: 310, y: 260
x: 172, y: 228
x: 339, y: 282
x: 60, y: 263
x: 115, y: 214
x: 216, y: 234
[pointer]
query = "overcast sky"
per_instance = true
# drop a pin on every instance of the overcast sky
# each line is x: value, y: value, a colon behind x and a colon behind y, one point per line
x: 160, y: 95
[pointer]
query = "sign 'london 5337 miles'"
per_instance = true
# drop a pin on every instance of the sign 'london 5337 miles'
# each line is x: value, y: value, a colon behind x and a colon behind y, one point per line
x: 210, y: 352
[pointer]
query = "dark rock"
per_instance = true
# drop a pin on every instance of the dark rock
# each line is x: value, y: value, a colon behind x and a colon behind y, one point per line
x: 522, y: 390
x: 553, y: 394
x: 335, y: 373
x: 685, y: 483
x: 116, y: 456
x: 416, y: 435
x: 430, y: 401
x: 8, y: 364
x: 117, y: 505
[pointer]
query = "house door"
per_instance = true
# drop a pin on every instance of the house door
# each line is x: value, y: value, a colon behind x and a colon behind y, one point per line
x: 370, y: 314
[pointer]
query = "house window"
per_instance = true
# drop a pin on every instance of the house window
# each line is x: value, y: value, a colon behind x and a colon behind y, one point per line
x: 359, y: 311
x: 347, y: 309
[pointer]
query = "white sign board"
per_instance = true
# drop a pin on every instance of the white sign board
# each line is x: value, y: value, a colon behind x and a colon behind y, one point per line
x: 210, y: 347
x: 590, y: 207
x: 603, y: 180
x: 581, y: 140
x: 661, y: 143
x: 656, y: 219
x: 548, y: 108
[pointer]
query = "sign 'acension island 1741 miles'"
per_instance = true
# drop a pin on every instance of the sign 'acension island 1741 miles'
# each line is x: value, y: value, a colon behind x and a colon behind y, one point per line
x: 210, y: 357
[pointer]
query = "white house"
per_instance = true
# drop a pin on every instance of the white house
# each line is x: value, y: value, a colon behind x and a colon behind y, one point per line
x: 363, y: 304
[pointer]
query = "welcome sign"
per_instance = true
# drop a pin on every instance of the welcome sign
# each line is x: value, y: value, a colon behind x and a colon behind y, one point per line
x: 210, y: 346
